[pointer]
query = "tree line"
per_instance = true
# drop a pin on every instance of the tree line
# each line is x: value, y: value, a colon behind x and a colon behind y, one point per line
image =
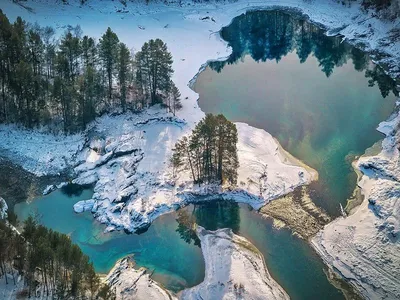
x: 210, y: 152
x: 48, y: 261
x: 67, y: 82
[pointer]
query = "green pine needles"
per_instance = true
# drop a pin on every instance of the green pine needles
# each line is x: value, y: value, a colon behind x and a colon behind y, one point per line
x: 210, y: 152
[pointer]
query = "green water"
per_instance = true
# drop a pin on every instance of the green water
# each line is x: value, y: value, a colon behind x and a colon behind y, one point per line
x: 176, y: 264
x: 320, y: 97
x: 170, y: 248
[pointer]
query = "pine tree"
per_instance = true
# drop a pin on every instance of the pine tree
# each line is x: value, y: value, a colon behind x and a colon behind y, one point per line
x: 154, y: 70
x: 124, y: 59
x: 108, y: 53
x: 210, y: 152
x: 175, y: 99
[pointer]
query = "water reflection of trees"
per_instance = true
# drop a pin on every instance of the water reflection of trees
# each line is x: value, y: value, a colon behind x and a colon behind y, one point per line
x: 270, y: 35
x: 211, y: 215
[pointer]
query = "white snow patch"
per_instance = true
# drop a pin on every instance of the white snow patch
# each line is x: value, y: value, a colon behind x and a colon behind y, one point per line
x: 135, y: 284
x: 235, y: 269
x: 84, y: 205
x: 3, y: 208
x: 38, y: 152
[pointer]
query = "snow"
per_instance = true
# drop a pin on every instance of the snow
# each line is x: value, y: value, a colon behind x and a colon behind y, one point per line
x: 38, y: 152
x: 235, y: 269
x: 3, y: 208
x: 134, y: 182
x: 130, y: 283
x: 84, y: 205
x: 364, y: 247
x: 266, y: 170
x: 50, y: 188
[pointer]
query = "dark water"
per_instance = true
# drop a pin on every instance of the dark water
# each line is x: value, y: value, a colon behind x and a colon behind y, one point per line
x: 321, y: 98
x: 170, y: 247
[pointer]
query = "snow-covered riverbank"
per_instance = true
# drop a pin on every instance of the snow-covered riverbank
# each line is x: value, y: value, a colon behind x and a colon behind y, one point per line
x: 365, y: 246
x: 134, y: 182
x: 130, y: 283
x: 235, y: 269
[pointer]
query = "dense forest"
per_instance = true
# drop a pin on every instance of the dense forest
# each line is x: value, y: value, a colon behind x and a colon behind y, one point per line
x: 49, y: 262
x: 209, y: 152
x: 282, y: 34
x: 66, y: 83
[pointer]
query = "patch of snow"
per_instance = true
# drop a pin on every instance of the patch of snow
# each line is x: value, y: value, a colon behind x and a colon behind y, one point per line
x: 38, y: 152
x: 50, y: 188
x: 264, y: 169
x: 3, y: 208
x: 235, y: 269
x: 130, y: 283
x: 84, y: 205
x: 364, y: 247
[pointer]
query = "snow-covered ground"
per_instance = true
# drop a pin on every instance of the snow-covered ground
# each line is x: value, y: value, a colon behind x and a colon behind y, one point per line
x: 38, y: 152
x: 134, y: 182
x: 130, y: 283
x: 365, y: 246
x: 235, y: 269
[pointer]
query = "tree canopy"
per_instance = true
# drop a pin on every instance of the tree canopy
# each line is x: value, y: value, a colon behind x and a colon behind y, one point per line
x: 66, y: 83
x: 48, y: 258
x: 210, y: 152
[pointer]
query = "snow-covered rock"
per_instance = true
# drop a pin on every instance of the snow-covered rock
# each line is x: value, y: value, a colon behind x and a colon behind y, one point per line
x: 84, y: 205
x: 235, y: 269
x: 50, y: 188
x: 130, y: 283
x: 365, y: 246
x: 3, y: 208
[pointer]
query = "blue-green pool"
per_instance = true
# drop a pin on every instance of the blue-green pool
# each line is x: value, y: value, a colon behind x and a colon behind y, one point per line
x: 169, y: 248
x: 319, y: 96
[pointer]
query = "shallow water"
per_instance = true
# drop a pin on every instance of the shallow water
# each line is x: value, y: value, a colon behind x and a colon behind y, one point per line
x: 312, y: 92
x: 170, y: 248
